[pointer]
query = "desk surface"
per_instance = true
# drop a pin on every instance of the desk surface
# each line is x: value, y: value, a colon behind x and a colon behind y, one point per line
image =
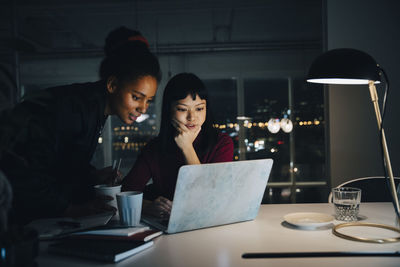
x: 223, y: 246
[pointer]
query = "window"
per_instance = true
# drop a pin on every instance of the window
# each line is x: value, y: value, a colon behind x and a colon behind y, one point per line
x: 266, y: 102
x: 121, y: 141
x: 278, y: 118
x: 224, y: 108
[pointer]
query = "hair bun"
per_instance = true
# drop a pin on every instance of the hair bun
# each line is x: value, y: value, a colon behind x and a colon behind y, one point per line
x: 139, y: 38
x: 120, y: 36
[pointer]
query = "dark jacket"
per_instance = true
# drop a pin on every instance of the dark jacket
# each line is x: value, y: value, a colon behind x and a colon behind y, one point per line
x: 46, y: 144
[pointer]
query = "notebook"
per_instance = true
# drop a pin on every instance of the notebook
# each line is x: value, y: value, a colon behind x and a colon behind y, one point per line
x: 215, y: 194
x: 100, y: 250
x: 54, y: 228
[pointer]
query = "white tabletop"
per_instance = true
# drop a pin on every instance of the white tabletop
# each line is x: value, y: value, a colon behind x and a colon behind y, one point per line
x: 224, y: 245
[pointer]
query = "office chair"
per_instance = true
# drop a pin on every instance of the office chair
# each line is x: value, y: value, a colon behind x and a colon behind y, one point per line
x: 373, y: 189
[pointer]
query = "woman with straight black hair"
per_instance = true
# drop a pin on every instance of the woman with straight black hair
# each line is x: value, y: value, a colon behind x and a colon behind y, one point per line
x: 187, y: 136
x: 48, y: 140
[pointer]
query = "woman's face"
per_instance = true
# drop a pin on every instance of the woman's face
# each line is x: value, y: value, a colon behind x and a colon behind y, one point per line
x: 130, y: 100
x: 192, y: 113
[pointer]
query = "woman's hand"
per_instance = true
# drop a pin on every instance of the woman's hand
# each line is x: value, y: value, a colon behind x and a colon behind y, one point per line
x: 160, y: 207
x: 184, y: 138
x: 94, y: 206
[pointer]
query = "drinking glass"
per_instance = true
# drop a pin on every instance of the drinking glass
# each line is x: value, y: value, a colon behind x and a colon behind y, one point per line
x: 347, y: 203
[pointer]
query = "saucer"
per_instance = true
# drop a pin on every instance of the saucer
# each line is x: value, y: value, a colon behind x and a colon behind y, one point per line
x: 308, y: 219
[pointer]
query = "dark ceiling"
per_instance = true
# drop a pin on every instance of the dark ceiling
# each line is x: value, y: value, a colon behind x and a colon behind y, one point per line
x: 76, y: 26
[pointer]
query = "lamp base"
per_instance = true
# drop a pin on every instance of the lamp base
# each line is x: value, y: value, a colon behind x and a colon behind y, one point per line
x: 365, y: 239
x: 388, y: 165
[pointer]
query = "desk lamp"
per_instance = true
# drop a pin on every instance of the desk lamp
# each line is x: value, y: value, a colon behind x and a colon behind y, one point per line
x: 354, y: 67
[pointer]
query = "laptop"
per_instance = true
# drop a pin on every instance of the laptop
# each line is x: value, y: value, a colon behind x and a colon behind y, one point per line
x: 215, y: 194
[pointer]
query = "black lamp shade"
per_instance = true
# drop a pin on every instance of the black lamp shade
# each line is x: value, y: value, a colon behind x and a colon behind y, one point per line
x: 344, y: 63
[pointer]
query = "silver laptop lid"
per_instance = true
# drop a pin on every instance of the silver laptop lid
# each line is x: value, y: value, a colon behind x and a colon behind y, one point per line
x: 218, y: 193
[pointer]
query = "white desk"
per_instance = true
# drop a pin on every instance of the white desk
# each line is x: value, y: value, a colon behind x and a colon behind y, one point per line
x: 224, y: 245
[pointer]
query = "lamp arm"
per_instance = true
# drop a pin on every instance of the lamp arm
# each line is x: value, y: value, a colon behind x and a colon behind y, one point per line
x: 374, y: 99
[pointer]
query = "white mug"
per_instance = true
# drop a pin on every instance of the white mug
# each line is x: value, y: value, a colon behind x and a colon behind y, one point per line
x: 104, y: 189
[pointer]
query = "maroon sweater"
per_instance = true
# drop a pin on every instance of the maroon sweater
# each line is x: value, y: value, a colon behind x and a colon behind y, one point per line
x: 163, y: 169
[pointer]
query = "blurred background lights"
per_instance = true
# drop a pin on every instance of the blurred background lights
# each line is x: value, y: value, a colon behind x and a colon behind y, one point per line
x: 286, y: 125
x: 273, y: 125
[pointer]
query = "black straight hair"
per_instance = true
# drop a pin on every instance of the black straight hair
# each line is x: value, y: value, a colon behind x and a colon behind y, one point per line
x: 179, y: 87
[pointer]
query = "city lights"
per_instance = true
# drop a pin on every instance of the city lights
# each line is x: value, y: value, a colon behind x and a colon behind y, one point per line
x: 286, y: 125
x: 273, y: 125
x: 126, y: 135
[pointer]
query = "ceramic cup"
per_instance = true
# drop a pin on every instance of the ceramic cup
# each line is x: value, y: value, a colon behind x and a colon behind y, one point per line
x: 104, y: 189
x: 130, y: 207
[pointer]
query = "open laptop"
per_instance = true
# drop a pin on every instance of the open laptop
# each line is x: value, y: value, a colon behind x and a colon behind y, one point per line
x: 215, y: 194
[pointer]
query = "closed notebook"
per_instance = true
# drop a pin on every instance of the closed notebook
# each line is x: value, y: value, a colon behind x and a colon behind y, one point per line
x: 118, y: 231
x: 146, y: 235
x: 101, y: 250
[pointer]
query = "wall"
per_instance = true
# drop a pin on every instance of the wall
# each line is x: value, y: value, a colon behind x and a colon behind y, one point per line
x: 370, y: 26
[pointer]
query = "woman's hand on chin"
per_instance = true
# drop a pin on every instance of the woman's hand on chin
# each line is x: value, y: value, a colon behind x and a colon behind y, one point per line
x: 185, y: 137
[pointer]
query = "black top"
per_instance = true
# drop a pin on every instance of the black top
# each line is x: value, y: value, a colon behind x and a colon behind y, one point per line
x: 46, y: 143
